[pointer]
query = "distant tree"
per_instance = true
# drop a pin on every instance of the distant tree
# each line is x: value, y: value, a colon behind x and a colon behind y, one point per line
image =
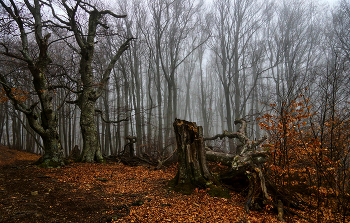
x: 236, y: 23
x: 133, y: 63
x: 341, y: 24
x: 173, y: 21
x: 296, y: 35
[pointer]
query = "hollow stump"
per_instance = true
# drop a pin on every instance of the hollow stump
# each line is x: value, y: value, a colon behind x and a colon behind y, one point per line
x: 193, y: 171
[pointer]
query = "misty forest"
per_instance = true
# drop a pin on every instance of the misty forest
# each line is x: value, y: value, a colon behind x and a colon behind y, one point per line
x: 259, y: 87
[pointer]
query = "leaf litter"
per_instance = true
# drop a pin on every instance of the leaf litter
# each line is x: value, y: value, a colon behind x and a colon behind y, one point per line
x: 112, y: 192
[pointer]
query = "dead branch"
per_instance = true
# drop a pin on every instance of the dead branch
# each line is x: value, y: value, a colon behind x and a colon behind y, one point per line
x: 241, y: 135
x: 113, y: 122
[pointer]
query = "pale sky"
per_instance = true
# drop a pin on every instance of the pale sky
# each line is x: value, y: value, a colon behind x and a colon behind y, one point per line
x: 331, y: 2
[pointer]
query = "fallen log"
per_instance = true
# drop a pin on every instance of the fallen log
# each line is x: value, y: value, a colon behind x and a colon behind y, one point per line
x: 237, y: 161
x: 245, y: 165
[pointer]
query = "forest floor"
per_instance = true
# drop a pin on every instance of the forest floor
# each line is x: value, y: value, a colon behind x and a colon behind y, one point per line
x: 109, y: 192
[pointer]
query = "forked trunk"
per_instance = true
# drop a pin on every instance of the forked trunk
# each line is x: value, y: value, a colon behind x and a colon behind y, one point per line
x: 53, y: 156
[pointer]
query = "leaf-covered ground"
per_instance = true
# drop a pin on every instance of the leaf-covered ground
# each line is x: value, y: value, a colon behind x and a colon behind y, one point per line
x: 109, y: 192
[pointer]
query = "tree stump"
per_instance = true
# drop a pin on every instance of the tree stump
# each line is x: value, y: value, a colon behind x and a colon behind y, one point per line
x: 74, y: 153
x: 127, y: 156
x: 129, y: 147
x: 193, y: 171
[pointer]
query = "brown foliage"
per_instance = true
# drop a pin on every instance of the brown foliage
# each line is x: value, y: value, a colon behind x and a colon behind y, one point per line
x: 310, y: 157
x: 18, y: 94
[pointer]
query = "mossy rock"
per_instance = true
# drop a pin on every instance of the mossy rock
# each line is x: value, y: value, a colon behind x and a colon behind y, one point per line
x: 218, y: 191
x: 184, y: 188
x: 50, y: 164
x: 67, y: 161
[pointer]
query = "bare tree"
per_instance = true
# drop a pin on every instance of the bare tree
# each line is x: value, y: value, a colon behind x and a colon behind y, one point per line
x: 28, y: 19
x: 341, y: 24
x: 236, y: 23
x: 173, y: 21
x: 134, y: 59
x: 296, y: 47
x: 89, y: 89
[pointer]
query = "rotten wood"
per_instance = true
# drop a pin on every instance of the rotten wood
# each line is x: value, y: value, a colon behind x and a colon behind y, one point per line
x: 246, y: 164
x: 129, y: 146
x: 192, y: 168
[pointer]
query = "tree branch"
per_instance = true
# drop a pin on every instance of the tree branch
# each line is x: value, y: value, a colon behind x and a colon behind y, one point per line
x: 12, y: 55
x: 53, y: 87
x: 29, y: 112
x: 111, y: 64
x: 241, y: 135
x: 109, y: 121
x: 15, y: 15
x: 73, y: 24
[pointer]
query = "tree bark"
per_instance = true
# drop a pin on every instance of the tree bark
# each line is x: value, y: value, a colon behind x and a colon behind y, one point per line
x: 192, y: 169
x: 91, y: 144
x: 86, y: 101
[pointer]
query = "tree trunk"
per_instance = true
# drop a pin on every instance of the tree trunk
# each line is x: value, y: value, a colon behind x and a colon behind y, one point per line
x: 108, y: 132
x: 129, y: 150
x: 91, y: 145
x: 37, y: 64
x: 203, y: 95
x: 52, y: 157
x: 192, y: 168
x: 236, y: 161
x: 90, y: 89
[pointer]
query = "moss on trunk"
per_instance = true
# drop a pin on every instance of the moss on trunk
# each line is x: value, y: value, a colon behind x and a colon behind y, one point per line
x: 53, y: 157
x: 91, y: 145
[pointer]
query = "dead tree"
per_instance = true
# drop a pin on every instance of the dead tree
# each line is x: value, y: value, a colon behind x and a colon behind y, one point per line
x: 245, y: 166
x: 248, y: 154
x: 129, y: 147
x: 193, y: 171
x: 127, y: 155
x: 74, y: 153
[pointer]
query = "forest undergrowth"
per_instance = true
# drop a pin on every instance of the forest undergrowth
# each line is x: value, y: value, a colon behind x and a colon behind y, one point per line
x: 110, y: 192
x: 309, y: 157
